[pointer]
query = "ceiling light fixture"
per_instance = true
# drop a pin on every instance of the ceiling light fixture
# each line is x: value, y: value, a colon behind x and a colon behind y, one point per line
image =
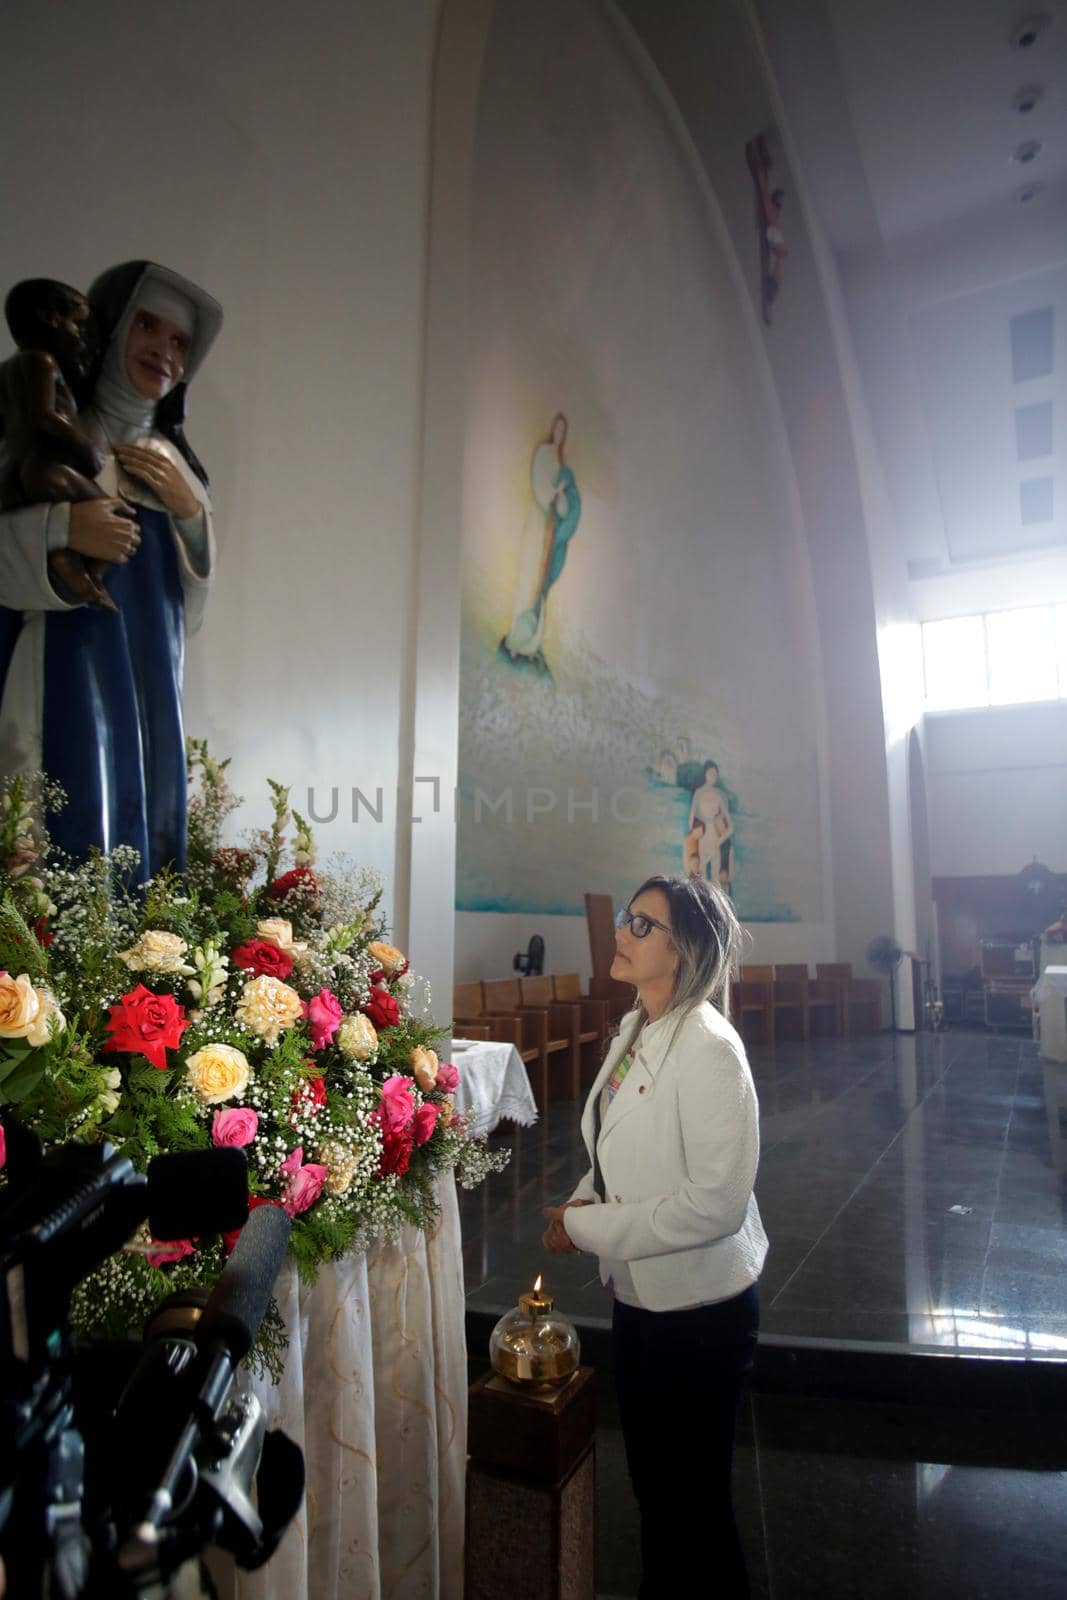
x: 1028, y: 31
x: 1026, y: 152
x: 1025, y: 99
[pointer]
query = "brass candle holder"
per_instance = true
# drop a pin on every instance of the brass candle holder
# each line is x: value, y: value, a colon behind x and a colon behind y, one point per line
x: 533, y: 1345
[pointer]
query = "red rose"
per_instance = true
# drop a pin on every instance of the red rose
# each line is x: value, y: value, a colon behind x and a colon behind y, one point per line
x: 381, y: 1008
x: 41, y: 933
x: 308, y: 1097
x: 262, y: 958
x: 396, y: 1153
x: 301, y: 878
x: 147, y: 1024
x: 254, y: 1201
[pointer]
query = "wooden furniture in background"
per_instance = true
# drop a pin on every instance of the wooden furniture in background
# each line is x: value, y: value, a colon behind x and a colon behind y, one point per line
x: 594, y: 1022
x: 791, y: 996
x: 858, y: 999
x: 752, y: 996
x: 558, y: 1029
x: 469, y: 1010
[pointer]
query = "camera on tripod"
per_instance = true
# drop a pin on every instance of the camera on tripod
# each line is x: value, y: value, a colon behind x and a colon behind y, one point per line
x: 119, y: 1464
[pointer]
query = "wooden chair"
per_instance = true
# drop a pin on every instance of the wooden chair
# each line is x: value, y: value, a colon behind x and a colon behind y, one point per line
x: 594, y: 1021
x: 600, y: 920
x: 791, y: 996
x: 557, y: 1025
x: 823, y: 1006
x: 860, y: 997
x: 468, y: 1011
x: 752, y: 995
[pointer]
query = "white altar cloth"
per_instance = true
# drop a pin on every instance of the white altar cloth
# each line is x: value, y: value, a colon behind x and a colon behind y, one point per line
x: 493, y: 1084
x: 375, y: 1393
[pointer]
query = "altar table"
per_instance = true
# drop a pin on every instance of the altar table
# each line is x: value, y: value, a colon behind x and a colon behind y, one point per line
x: 493, y: 1085
x: 375, y: 1393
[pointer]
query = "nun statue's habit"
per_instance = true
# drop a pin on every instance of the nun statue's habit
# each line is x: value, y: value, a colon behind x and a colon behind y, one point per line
x: 91, y: 697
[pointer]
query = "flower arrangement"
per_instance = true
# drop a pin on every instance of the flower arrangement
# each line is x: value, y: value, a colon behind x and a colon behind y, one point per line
x: 251, y: 1001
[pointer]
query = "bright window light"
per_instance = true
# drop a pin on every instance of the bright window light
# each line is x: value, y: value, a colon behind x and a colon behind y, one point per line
x: 1022, y: 655
x: 954, y: 656
x: 1061, y: 647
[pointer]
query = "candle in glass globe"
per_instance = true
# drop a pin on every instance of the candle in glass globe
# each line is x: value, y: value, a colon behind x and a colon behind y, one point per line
x: 534, y: 1345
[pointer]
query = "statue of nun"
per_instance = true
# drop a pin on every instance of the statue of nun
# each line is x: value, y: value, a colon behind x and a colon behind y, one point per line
x: 90, y: 696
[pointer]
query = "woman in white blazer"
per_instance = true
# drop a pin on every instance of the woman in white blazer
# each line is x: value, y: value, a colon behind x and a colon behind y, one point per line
x: 672, y: 1130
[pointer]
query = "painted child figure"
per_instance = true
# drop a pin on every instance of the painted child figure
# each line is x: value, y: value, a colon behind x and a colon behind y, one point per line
x: 46, y: 455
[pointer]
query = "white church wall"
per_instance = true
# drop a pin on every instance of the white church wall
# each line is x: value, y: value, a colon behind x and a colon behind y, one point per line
x: 604, y: 286
x: 285, y: 167
x: 997, y: 780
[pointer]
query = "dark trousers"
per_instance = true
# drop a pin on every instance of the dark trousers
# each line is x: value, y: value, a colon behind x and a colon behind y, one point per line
x: 678, y: 1376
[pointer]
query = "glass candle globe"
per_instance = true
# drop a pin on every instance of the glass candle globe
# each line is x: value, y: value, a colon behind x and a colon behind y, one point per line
x: 533, y: 1345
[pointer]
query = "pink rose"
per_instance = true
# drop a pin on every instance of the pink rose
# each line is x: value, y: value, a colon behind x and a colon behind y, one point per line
x: 324, y: 1015
x: 304, y: 1187
x: 425, y: 1122
x: 170, y: 1250
x: 397, y: 1107
x: 293, y: 1162
x: 447, y: 1077
x: 235, y: 1128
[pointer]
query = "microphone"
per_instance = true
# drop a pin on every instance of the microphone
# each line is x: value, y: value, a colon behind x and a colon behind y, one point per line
x: 238, y: 1303
x: 193, y: 1192
x: 223, y: 1335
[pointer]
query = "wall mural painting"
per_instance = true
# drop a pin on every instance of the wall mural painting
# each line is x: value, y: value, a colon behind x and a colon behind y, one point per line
x: 551, y: 523
x: 574, y: 774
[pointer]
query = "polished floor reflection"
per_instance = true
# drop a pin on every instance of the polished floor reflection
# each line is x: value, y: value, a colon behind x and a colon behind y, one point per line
x: 913, y: 1189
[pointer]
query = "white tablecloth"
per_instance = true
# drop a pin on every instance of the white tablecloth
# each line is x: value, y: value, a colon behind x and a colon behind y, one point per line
x: 375, y: 1393
x: 493, y: 1084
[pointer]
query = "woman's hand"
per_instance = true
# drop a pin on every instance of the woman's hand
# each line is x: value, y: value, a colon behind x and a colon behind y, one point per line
x: 556, y: 1239
x: 158, y: 473
x: 103, y: 530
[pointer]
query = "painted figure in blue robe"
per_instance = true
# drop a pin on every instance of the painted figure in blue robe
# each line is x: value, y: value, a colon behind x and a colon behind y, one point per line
x: 94, y: 697
x: 550, y: 526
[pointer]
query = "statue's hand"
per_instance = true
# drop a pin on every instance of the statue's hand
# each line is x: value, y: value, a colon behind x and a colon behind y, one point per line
x: 104, y: 530
x: 158, y: 473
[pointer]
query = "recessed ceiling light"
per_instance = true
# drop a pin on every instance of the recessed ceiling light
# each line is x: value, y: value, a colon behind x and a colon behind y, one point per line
x: 1026, y: 152
x: 1025, y: 99
x: 1028, y: 192
x: 1029, y: 29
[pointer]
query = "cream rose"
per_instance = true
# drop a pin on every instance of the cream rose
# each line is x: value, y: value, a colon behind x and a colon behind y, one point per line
x: 217, y: 1072
x: 277, y: 931
x: 388, y: 957
x: 268, y: 1007
x: 447, y: 1111
x: 424, y: 1066
x: 108, y: 1098
x: 158, y: 951
x: 342, y: 1164
x: 49, y: 1019
x: 357, y: 1037
x: 20, y: 1005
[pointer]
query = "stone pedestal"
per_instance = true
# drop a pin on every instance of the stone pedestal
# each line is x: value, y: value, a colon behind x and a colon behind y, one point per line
x: 530, y: 1491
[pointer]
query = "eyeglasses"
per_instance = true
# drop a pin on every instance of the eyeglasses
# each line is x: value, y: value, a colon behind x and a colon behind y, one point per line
x: 639, y: 925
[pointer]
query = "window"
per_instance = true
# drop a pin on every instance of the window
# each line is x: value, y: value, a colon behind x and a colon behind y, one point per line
x: 954, y: 659
x: 1001, y: 658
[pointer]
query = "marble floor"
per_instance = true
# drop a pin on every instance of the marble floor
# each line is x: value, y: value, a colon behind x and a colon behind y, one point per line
x: 913, y: 1189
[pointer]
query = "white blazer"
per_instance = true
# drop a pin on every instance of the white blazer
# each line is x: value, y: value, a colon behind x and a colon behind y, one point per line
x: 678, y: 1154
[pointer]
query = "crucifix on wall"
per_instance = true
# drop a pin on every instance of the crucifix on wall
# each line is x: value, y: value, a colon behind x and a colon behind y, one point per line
x: 769, y: 200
